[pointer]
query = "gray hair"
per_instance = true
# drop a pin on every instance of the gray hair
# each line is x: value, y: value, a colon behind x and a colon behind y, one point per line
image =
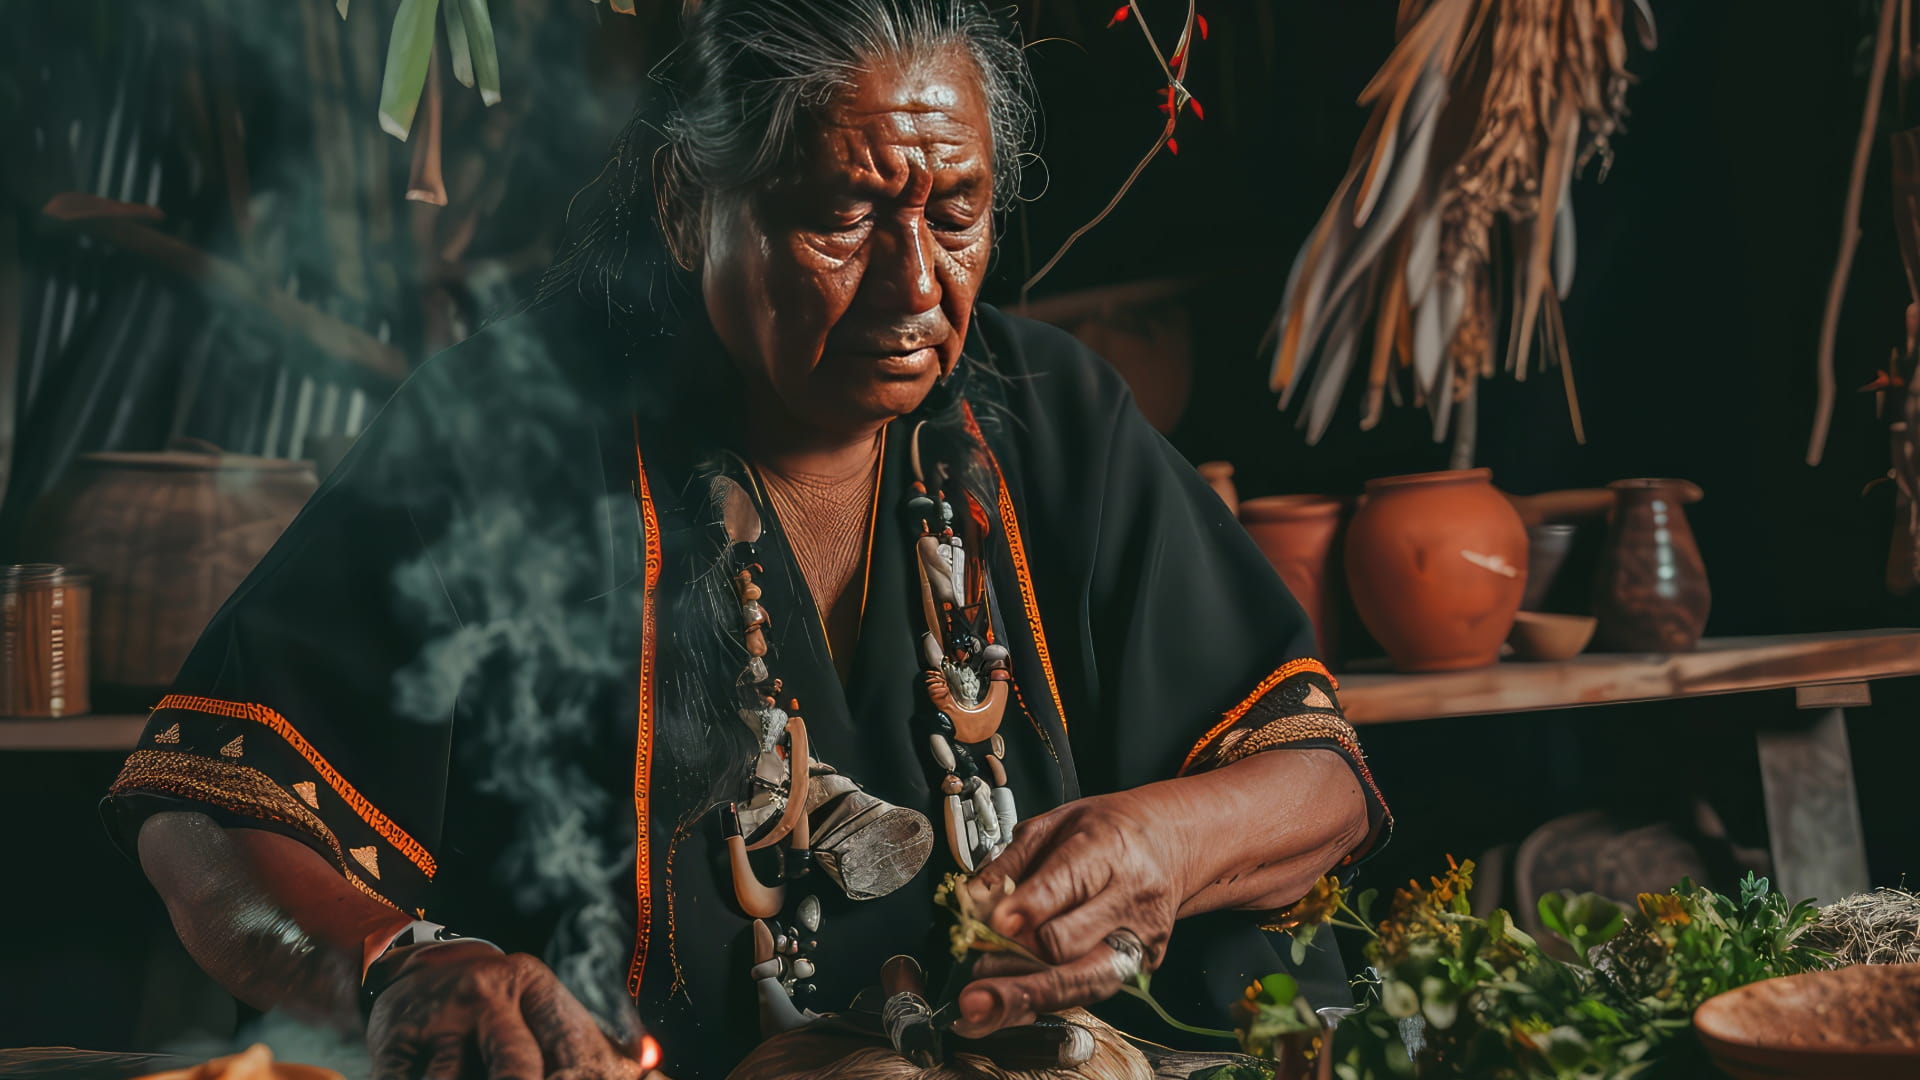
x: 747, y: 74
x: 755, y: 67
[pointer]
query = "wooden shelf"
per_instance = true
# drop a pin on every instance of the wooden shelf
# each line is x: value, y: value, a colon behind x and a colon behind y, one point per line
x: 107, y: 733
x: 1721, y: 666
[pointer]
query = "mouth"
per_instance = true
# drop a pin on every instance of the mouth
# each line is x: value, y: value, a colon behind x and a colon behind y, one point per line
x: 906, y: 365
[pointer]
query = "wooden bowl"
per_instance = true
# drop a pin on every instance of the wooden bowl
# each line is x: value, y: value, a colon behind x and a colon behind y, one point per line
x: 1853, y: 1023
x: 1537, y: 635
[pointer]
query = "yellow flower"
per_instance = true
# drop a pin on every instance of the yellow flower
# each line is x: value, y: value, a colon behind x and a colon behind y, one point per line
x: 970, y: 933
x: 1317, y: 907
x: 1665, y: 909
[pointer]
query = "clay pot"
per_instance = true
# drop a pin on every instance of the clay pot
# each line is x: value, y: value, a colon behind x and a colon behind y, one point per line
x: 1436, y: 563
x: 167, y: 537
x: 1298, y: 533
x: 1651, y: 592
x: 1547, y: 548
x: 1219, y: 476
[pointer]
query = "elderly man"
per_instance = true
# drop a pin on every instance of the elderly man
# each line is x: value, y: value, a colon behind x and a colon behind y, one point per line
x: 657, y: 652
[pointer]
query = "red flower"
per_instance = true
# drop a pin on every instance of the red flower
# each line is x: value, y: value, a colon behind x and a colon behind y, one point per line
x: 1198, y: 112
x: 1120, y: 15
x: 1202, y: 20
x: 1173, y: 147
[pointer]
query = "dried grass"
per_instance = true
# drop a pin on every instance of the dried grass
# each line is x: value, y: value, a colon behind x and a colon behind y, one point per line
x: 1878, y: 927
x: 1533, y: 90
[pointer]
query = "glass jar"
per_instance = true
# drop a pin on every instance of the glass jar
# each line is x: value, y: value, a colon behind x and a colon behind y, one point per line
x: 43, y: 640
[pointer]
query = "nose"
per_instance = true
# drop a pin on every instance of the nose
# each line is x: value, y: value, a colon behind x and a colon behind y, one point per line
x: 900, y: 275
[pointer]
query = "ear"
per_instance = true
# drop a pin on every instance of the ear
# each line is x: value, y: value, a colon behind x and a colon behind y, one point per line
x: 676, y: 209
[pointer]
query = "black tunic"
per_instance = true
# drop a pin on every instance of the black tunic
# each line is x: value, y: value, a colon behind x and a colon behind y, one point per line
x: 471, y: 674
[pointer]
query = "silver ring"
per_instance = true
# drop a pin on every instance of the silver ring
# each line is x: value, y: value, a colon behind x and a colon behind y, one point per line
x: 1129, y: 953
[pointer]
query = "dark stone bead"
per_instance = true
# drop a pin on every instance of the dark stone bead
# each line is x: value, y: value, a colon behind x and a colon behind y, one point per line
x: 921, y: 510
x: 942, y: 723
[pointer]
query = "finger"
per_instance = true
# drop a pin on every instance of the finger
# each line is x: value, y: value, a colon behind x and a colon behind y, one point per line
x: 1029, y: 838
x: 569, y: 1037
x: 447, y: 1054
x: 990, y: 965
x: 988, y: 1005
x: 1071, y: 876
x: 1084, y: 928
x: 394, y: 1059
x: 506, y: 1046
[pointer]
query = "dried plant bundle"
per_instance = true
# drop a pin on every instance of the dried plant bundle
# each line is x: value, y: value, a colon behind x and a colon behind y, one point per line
x: 1878, y: 927
x: 1452, y: 231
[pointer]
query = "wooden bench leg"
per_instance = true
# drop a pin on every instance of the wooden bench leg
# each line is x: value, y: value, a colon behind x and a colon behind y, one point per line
x: 1813, y: 813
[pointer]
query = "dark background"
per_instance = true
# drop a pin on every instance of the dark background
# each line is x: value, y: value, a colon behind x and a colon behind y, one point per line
x: 1693, y: 322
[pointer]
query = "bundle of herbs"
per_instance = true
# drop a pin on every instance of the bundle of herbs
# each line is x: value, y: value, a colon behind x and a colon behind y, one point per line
x: 1450, y: 994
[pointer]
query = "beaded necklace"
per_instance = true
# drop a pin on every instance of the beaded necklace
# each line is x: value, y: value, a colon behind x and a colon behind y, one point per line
x: 824, y: 821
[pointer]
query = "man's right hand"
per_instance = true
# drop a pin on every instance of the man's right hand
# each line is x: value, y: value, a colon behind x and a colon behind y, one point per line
x: 459, y: 1009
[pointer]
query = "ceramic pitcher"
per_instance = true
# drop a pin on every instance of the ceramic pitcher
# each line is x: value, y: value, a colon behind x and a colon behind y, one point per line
x: 1651, y: 592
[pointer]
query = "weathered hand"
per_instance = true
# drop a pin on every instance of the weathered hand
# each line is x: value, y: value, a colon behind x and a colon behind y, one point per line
x: 1254, y: 835
x: 462, y: 1009
x: 1084, y: 870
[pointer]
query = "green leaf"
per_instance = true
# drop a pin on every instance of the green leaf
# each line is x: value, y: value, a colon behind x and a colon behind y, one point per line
x: 457, y: 44
x: 486, y: 61
x: 1363, y: 905
x: 1552, y: 908
x: 408, y: 51
x: 1279, y: 988
x: 1399, y: 999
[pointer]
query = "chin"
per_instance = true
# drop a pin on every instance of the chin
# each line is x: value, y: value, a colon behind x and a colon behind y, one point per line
x: 881, y: 400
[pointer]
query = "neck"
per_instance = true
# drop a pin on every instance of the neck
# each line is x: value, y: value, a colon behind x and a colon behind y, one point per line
x: 780, y: 442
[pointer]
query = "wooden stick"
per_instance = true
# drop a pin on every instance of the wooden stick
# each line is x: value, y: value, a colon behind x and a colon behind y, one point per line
x: 333, y: 337
x: 1849, y: 232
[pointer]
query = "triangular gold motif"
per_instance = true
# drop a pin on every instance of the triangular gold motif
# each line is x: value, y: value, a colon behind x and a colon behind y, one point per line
x: 1317, y: 699
x: 308, y: 793
x: 235, y: 748
x: 169, y: 736
x: 368, y: 857
x: 420, y: 913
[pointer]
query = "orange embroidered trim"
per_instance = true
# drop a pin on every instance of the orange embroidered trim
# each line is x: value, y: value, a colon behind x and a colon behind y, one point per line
x: 643, y: 731
x: 1284, y: 672
x: 274, y: 722
x: 237, y: 789
x: 1028, y: 600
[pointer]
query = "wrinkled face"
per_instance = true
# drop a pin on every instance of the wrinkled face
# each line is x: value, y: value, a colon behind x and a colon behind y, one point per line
x: 843, y: 289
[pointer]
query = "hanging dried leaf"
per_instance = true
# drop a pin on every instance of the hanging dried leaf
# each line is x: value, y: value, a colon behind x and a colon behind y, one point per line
x: 1480, y: 116
x: 408, y: 51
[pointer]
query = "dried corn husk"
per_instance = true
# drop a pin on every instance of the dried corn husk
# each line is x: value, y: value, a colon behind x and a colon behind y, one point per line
x: 1455, y: 213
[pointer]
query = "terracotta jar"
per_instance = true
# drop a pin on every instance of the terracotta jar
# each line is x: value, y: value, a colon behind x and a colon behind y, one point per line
x: 1651, y: 593
x: 1437, y: 563
x: 167, y: 536
x: 1298, y: 534
x: 1219, y: 476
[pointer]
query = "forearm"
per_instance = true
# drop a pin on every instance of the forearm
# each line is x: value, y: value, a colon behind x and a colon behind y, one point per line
x: 264, y: 915
x: 1265, y: 828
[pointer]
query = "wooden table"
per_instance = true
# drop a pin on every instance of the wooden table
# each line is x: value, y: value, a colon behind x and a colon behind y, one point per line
x: 1806, y: 771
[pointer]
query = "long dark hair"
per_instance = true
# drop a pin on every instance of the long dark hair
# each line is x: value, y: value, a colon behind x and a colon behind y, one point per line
x: 737, y: 90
